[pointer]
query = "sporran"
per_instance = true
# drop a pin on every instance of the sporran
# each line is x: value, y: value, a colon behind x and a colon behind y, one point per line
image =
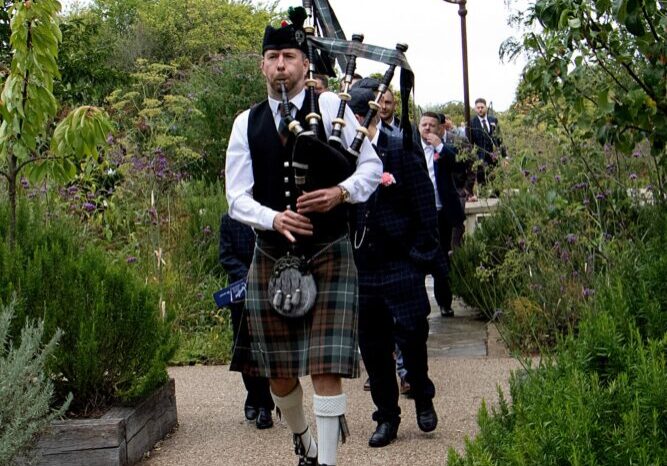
x: 292, y: 288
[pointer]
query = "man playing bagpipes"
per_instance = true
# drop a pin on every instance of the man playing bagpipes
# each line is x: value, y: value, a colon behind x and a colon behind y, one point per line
x: 302, y: 284
x: 396, y: 245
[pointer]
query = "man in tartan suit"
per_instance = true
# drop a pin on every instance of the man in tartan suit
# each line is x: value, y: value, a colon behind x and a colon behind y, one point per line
x: 396, y: 243
x: 262, y: 192
x: 236, y: 248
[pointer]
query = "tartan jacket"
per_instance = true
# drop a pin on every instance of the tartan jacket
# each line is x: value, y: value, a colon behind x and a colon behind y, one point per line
x: 399, y: 221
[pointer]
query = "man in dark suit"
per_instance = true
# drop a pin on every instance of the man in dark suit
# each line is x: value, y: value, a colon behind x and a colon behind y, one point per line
x: 484, y: 129
x: 441, y: 162
x: 395, y: 240
x: 237, y: 244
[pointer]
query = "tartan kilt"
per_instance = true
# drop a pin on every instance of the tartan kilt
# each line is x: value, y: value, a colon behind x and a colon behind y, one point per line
x: 324, y: 341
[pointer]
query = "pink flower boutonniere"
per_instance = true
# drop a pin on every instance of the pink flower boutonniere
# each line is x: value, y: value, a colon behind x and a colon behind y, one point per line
x: 388, y: 179
x: 436, y: 156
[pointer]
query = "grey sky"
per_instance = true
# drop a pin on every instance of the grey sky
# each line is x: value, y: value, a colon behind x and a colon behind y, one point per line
x: 431, y: 28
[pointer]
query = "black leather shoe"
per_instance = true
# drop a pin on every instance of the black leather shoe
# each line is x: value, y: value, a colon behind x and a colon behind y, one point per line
x: 384, y: 434
x: 305, y: 461
x: 446, y: 312
x: 250, y: 412
x: 264, y: 419
x: 427, y: 419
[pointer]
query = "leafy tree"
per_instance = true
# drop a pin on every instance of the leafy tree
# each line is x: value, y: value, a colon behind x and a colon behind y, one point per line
x: 85, y: 60
x: 27, y: 105
x: 191, y: 30
x: 602, y: 68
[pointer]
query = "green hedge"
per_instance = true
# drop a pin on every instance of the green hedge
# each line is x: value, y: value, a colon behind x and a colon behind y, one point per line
x: 115, y: 343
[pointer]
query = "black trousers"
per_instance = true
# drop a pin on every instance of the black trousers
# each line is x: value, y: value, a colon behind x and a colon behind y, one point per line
x: 259, y: 394
x: 392, y: 313
x: 441, y: 287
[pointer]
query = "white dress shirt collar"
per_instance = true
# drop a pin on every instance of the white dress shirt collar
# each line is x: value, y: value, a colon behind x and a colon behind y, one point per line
x: 297, y: 101
x: 374, y: 141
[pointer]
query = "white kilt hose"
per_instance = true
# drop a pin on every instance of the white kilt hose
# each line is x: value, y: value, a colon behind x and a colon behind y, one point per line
x: 322, y: 342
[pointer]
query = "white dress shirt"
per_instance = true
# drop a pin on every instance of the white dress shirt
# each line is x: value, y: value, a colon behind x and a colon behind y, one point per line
x: 238, y: 164
x: 429, y: 152
x: 485, y: 124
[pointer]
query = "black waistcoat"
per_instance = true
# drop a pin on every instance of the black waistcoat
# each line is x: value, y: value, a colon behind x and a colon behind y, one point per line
x: 274, y: 179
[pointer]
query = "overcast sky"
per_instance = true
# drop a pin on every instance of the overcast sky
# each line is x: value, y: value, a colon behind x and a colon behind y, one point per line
x: 432, y: 30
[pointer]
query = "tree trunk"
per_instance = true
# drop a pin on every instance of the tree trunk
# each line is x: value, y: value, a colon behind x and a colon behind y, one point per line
x: 11, y: 187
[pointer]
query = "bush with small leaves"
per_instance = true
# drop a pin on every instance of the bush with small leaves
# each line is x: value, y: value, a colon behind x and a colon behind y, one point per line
x: 26, y: 391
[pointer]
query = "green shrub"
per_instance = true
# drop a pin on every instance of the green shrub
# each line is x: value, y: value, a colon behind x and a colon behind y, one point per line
x: 26, y: 391
x: 602, y: 397
x: 115, y: 343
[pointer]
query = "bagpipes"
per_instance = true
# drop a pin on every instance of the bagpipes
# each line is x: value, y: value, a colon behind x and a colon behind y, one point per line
x: 319, y: 163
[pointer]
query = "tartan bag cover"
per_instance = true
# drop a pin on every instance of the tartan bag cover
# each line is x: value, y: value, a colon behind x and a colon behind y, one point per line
x: 324, y: 341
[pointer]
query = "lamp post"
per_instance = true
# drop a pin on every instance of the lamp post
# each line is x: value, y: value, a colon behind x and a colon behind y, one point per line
x: 464, y: 52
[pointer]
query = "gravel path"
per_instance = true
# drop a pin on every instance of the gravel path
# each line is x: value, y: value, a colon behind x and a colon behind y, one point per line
x: 213, y: 430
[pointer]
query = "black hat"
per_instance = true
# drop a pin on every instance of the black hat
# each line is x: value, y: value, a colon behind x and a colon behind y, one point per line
x: 359, y: 98
x: 368, y: 83
x: 288, y: 35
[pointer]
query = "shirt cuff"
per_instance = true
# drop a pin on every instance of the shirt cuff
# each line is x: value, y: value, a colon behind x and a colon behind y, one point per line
x: 439, y: 148
x: 266, y: 217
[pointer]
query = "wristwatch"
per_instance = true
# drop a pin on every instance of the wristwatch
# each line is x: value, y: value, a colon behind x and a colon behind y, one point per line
x: 344, y: 194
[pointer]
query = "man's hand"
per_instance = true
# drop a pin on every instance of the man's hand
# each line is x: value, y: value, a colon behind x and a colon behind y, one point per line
x: 432, y: 139
x: 289, y: 222
x: 322, y: 200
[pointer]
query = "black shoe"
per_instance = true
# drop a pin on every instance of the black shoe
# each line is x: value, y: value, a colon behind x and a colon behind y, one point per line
x: 367, y: 385
x: 250, y: 412
x: 300, y: 450
x: 427, y: 419
x: 384, y: 434
x: 446, y: 312
x: 305, y: 461
x: 264, y: 419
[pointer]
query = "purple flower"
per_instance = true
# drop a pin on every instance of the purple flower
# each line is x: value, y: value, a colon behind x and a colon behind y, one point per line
x: 636, y: 154
x: 557, y: 178
x: 533, y: 179
x: 564, y: 160
x: 600, y: 196
x: 72, y: 190
x: 88, y: 206
x: 565, y: 256
x: 571, y: 238
x: 588, y: 292
x: 110, y: 139
x: 542, y: 168
x: 537, y: 230
x: 130, y: 259
x: 649, y: 187
x: 522, y: 244
x: 633, y: 176
x: 526, y: 173
x: 25, y: 183
x: 90, y: 195
x: 207, y: 230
